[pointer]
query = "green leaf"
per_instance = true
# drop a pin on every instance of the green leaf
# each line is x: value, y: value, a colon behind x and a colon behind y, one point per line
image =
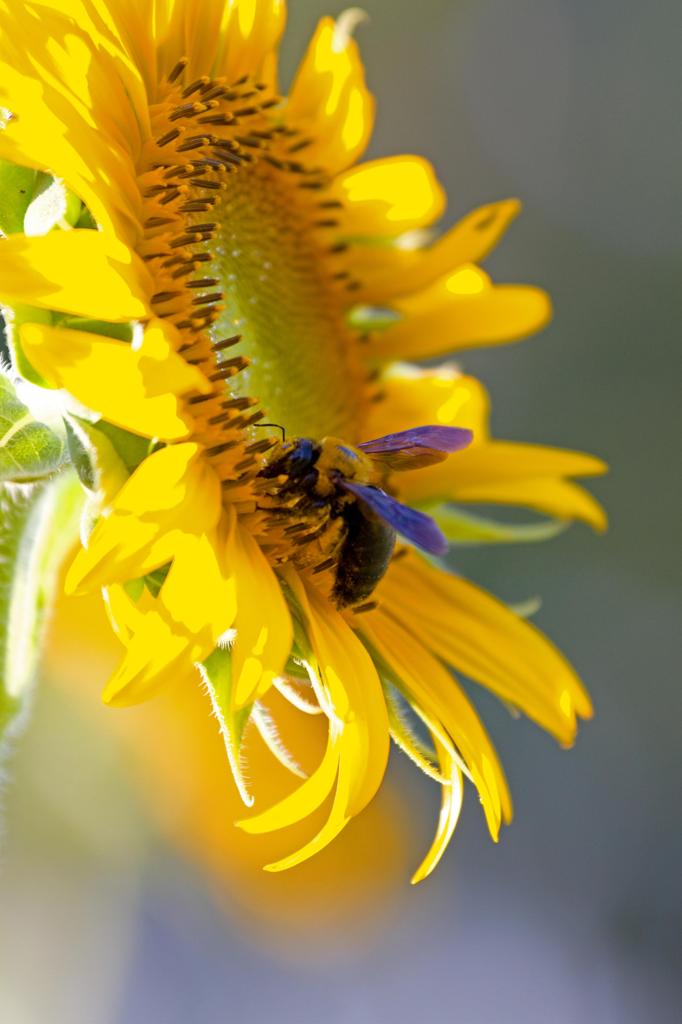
x: 38, y: 526
x: 29, y: 450
x: 465, y: 528
x: 53, y: 207
x: 17, y: 185
x: 216, y: 672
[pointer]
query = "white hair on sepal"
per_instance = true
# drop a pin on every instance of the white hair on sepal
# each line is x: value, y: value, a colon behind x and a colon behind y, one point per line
x: 235, y: 752
x: 269, y: 733
x: 283, y: 685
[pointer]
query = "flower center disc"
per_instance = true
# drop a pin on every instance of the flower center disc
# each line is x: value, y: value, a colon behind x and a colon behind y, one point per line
x: 276, y: 273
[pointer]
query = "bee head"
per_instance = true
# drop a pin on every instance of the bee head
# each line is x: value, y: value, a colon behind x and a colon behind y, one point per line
x: 294, y: 458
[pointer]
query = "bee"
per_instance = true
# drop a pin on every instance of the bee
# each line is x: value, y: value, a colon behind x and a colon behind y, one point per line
x: 333, y: 492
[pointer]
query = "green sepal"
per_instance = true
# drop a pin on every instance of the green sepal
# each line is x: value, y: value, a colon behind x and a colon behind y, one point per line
x: 134, y: 588
x: 81, y: 458
x: 465, y: 528
x: 15, y: 317
x: 216, y: 672
x: 38, y: 526
x: 17, y: 185
x: 86, y: 220
x: 101, y: 449
x: 405, y: 736
x: 123, y: 332
x: 29, y: 450
x: 153, y: 581
x: 132, y: 449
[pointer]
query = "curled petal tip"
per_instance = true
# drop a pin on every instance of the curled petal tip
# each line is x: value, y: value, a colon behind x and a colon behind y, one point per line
x: 345, y: 26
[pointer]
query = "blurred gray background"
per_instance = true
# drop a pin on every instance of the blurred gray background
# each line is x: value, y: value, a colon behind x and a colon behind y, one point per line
x: 577, y: 914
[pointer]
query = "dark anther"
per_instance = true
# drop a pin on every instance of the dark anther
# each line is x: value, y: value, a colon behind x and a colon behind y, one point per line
x: 157, y: 222
x: 238, y: 362
x: 205, y: 183
x: 236, y: 404
x: 218, y: 449
x: 227, y: 343
x: 215, y: 93
x: 168, y: 137
x: 187, y: 110
x: 193, y: 142
x: 260, y: 446
x: 207, y: 300
x: 299, y: 146
x: 200, y: 83
x: 197, y: 399
x: 221, y: 119
x: 178, y: 69
x: 203, y: 282
x: 327, y: 564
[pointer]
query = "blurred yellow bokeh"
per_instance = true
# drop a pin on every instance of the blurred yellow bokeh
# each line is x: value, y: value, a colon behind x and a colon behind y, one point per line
x: 177, y: 760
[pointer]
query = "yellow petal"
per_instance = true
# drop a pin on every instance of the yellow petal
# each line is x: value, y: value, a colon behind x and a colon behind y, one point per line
x: 482, y: 638
x: 263, y: 624
x: 389, y: 271
x: 155, y: 657
x: 73, y: 114
x: 173, y: 492
x: 502, y: 472
x: 554, y: 497
x: 329, y: 102
x: 339, y: 815
x: 429, y: 685
x: 354, y: 691
x: 199, y: 596
x: 413, y: 397
x: 125, y: 615
x: 507, y: 460
x: 359, y: 735
x: 135, y: 388
x: 462, y: 310
x: 304, y: 800
x: 82, y: 272
x: 451, y: 806
x: 499, y: 472
x: 167, y: 635
x: 387, y: 197
x: 253, y: 33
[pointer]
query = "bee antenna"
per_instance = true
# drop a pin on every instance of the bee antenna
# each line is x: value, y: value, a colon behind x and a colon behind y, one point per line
x: 277, y: 427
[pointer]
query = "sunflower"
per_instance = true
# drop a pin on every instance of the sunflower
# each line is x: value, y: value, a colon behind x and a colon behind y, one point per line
x: 227, y: 300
